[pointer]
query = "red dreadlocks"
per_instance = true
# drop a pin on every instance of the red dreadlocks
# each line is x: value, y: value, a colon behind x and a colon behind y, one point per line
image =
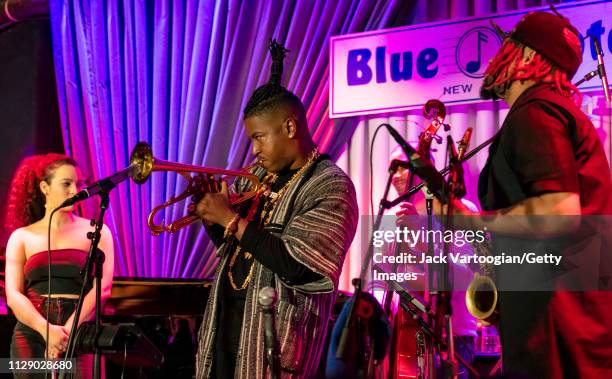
x: 26, y: 202
x: 507, y: 67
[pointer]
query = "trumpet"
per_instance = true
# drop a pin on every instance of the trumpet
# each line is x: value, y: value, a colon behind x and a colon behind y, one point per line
x: 142, y: 156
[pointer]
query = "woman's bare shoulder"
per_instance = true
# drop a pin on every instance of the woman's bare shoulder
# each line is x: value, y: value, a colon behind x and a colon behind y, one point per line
x: 82, y: 221
x: 24, y: 232
x: 16, y: 242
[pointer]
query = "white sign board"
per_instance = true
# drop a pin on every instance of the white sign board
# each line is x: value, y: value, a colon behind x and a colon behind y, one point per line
x: 401, y: 68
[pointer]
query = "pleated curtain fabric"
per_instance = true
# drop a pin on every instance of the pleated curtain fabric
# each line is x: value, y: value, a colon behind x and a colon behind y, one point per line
x: 177, y: 74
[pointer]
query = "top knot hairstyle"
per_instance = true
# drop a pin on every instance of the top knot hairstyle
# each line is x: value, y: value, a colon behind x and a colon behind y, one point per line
x: 272, y: 94
x: 278, y: 53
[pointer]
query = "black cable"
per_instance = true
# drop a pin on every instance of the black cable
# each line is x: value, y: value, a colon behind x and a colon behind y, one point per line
x: 48, y: 282
x: 372, y: 173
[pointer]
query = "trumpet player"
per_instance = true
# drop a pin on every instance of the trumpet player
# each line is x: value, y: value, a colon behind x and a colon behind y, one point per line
x: 295, y: 243
x: 546, y: 160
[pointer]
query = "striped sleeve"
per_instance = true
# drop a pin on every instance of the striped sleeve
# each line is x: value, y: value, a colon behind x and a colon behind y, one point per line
x: 320, y: 234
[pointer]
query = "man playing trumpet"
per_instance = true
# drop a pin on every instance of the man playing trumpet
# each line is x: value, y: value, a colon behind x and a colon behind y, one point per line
x: 295, y: 243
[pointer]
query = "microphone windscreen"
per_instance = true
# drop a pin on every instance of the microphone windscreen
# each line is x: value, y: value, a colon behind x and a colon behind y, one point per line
x: 267, y: 297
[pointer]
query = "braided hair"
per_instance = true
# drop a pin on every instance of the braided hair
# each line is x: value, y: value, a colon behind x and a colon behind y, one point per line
x: 502, y: 72
x: 272, y: 94
x: 26, y: 202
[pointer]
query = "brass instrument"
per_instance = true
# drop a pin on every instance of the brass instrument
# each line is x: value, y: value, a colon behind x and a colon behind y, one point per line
x: 142, y: 156
x: 481, y: 294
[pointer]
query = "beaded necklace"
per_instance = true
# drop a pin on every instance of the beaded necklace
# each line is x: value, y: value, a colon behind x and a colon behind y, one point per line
x: 266, y: 215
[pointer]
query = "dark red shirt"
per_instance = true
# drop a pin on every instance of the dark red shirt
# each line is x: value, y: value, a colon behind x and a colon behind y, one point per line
x: 546, y: 144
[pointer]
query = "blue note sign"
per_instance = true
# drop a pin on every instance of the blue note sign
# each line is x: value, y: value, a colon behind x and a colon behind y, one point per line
x: 360, y: 67
x: 474, y: 50
x: 398, y: 69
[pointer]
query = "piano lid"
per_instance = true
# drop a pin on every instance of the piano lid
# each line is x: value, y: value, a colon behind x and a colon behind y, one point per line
x: 157, y: 297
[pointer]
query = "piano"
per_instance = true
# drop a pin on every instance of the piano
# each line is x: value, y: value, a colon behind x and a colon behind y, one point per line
x: 143, y: 297
x: 167, y: 311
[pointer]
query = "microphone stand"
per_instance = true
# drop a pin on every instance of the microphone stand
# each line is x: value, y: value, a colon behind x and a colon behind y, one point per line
x: 94, y: 257
x: 341, y: 352
x: 443, y: 301
x: 428, y: 338
x: 599, y: 71
x: 435, y: 338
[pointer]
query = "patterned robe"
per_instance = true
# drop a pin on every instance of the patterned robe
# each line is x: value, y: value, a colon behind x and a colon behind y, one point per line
x: 316, y: 218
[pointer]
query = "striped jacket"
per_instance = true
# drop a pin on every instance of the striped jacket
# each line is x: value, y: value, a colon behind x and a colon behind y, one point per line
x: 316, y: 219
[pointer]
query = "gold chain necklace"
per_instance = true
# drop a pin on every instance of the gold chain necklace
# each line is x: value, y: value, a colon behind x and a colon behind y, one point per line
x: 230, y: 275
x: 266, y: 216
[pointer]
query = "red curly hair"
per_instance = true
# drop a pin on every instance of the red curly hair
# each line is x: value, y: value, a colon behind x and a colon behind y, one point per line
x: 26, y: 202
x: 502, y: 72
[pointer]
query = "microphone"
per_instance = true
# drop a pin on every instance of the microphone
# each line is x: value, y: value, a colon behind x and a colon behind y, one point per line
x: 464, y: 144
x: 267, y: 299
x: 103, y: 185
x: 601, y: 69
x: 422, y: 168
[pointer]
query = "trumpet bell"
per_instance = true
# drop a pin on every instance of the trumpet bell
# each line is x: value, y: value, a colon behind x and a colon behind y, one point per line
x: 142, y: 155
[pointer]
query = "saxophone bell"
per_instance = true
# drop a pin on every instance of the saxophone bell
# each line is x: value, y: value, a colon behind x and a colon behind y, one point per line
x: 481, y: 299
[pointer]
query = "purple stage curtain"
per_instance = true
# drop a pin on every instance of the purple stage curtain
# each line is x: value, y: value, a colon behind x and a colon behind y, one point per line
x: 177, y: 75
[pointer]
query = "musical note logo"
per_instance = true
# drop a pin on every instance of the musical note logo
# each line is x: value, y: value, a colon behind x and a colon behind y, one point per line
x: 474, y: 66
x: 476, y: 46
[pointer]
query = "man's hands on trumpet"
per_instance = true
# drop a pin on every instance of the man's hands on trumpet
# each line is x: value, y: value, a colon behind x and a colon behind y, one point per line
x: 214, y: 207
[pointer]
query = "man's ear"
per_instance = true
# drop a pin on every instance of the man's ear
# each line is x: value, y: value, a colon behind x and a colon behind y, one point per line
x: 292, y: 127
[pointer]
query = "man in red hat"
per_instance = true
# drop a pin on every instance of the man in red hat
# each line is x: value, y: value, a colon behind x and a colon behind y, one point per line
x: 546, y: 160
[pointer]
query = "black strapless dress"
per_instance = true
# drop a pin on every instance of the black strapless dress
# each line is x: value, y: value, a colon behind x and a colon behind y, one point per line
x: 66, y: 265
